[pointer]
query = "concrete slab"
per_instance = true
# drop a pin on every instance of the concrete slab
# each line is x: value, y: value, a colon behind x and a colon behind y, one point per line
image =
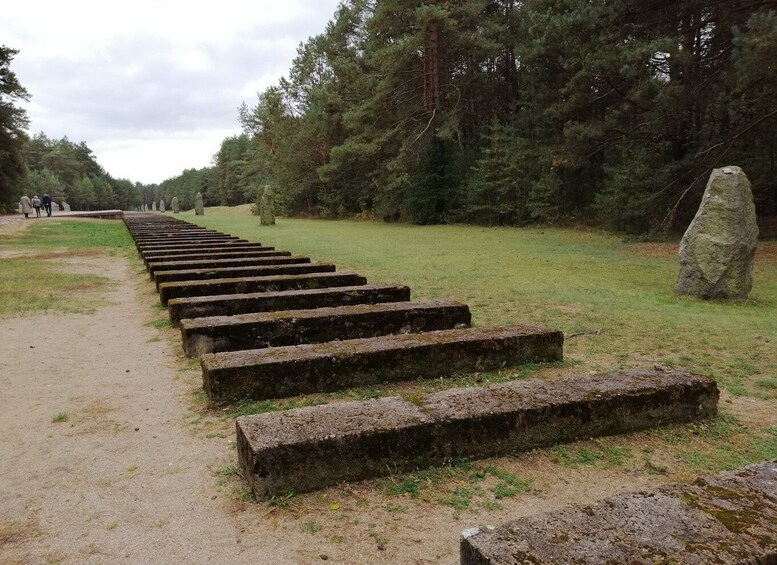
x: 207, y: 255
x: 310, y: 448
x: 154, y: 266
x: 337, y: 365
x: 193, y: 249
x: 726, y: 518
x: 256, y: 284
x: 211, y: 273
x: 232, y: 304
x: 294, y: 327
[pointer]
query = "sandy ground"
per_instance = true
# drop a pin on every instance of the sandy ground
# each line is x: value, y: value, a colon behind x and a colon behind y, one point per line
x: 132, y: 475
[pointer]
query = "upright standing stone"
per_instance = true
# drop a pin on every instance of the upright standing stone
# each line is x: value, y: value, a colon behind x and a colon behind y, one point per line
x: 199, y: 209
x: 153, y: 206
x: 267, y: 207
x: 65, y: 206
x: 162, y: 205
x: 175, y: 205
x: 717, y: 250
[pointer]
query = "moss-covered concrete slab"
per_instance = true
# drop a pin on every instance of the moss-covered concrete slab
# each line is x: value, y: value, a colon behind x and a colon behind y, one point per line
x: 337, y: 365
x: 725, y: 518
x: 227, y: 243
x: 244, y: 271
x: 244, y: 285
x: 208, y: 255
x: 309, y: 448
x: 154, y: 266
x: 294, y: 327
x: 203, y: 238
x: 194, y: 248
x: 232, y: 304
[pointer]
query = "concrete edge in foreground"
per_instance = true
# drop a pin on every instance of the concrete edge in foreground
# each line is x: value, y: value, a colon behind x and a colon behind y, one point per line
x: 726, y: 518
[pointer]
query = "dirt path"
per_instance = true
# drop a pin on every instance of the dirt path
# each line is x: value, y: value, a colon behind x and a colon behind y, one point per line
x: 121, y: 480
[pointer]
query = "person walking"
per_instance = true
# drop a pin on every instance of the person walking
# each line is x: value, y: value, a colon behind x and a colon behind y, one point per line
x: 26, y: 205
x: 47, y: 204
x: 36, y: 205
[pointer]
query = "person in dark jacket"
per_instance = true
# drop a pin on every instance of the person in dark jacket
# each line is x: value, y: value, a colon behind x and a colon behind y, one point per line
x: 47, y: 204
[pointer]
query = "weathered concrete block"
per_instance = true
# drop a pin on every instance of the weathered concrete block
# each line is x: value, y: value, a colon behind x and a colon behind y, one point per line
x: 256, y: 284
x: 195, y: 249
x: 310, y: 448
x: 207, y: 244
x: 337, y: 365
x: 725, y: 518
x: 235, y: 272
x: 294, y: 327
x: 718, y: 249
x: 201, y: 237
x: 175, y: 243
x: 207, y: 255
x: 232, y: 304
x: 154, y: 266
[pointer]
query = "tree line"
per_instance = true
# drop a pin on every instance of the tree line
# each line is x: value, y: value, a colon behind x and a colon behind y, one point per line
x: 508, y: 112
x: 498, y: 112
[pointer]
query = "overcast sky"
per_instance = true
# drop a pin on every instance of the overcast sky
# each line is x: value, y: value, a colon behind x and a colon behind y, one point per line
x: 152, y: 86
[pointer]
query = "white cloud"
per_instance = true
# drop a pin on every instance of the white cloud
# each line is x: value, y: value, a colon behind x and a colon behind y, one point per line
x: 152, y: 86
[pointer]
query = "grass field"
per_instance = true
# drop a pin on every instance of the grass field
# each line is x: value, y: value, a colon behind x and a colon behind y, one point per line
x: 31, y: 277
x: 613, y: 300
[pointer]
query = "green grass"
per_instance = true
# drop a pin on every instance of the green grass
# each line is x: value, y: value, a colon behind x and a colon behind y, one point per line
x: 60, y: 417
x: 35, y: 282
x: 616, y: 299
x: 73, y: 235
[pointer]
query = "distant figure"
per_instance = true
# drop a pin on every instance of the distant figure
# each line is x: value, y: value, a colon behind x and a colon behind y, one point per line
x: 47, y: 204
x: 26, y: 205
x: 36, y: 205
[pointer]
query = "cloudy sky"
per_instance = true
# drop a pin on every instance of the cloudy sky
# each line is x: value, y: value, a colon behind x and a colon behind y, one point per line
x: 152, y: 86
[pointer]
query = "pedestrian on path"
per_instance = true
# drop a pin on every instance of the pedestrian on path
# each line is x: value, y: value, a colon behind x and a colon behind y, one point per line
x: 47, y: 204
x: 26, y: 205
x: 36, y: 205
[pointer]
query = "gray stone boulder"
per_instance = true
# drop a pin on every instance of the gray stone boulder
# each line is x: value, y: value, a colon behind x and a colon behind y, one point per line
x: 267, y: 207
x: 174, y: 203
x: 199, y: 207
x: 162, y: 205
x: 717, y: 250
x: 153, y: 206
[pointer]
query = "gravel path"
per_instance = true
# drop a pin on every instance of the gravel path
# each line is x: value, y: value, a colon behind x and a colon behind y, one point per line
x: 119, y: 479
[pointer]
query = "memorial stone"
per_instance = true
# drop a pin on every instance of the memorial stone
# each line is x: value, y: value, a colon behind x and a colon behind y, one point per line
x: 175, y: 205
x: 718, y: 249
x: 267, y: 207
x: 153, y: 206
x: 199, y: 208
x: 162, y: 205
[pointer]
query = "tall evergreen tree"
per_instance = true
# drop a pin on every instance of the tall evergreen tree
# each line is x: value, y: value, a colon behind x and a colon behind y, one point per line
x: 13, y: 126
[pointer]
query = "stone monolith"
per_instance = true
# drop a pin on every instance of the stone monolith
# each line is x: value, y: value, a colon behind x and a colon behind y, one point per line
x: 267, y: 207
x: 175, y: 205
x: 162, y: 205
x: 153, y: 206
x: 199, y: 208
x: 717, y: 250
